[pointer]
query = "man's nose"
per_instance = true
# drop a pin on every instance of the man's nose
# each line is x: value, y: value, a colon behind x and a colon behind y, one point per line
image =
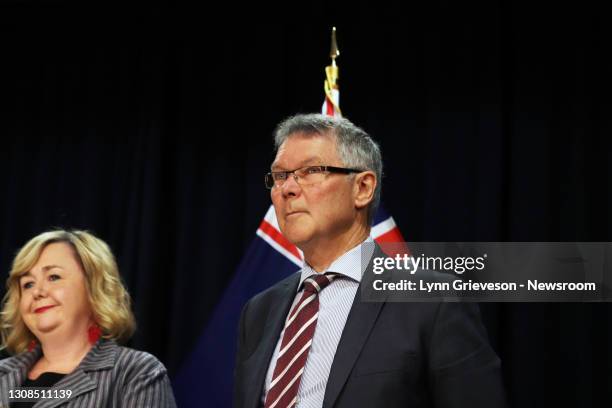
x: 291, y: 187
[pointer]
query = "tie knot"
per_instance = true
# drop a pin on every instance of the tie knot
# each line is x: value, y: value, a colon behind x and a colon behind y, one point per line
x: 316, y: 283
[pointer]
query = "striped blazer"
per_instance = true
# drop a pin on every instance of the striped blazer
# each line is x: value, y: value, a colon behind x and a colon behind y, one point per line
x: 108, y: 376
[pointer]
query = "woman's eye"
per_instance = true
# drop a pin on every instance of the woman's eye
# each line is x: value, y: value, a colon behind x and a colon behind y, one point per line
x: 27, y: 285
x: 54, y: 277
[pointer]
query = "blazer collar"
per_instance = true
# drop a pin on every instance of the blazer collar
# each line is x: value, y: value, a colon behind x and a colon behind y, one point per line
x: 101, y: 356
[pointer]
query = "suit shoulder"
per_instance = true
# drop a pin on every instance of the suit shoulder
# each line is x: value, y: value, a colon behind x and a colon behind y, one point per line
x: 276, y: 289
x: 7, y: 364
x: 5, y: 361
x: 135, y: 362
x: 17, y: 362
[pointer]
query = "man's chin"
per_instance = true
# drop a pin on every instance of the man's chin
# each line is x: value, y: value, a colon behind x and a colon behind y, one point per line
x: 297, y: 237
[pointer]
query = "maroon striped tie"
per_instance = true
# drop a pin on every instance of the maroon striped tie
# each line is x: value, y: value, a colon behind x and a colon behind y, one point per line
x: 299, y: 329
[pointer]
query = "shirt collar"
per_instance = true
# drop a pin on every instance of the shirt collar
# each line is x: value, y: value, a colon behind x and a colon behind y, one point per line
x: 345, y: 265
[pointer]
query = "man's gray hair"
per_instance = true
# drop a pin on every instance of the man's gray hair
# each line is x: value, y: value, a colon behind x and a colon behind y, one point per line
x: 356, y: 148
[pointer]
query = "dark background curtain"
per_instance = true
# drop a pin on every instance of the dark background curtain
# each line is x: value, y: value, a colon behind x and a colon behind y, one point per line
x: 151, y: 126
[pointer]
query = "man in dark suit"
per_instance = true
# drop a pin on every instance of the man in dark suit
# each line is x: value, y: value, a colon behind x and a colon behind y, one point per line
x: 311, y: 340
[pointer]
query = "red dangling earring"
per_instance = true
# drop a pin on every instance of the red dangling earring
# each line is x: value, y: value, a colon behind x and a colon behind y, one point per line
x: 32, y: 345
x: 93, y: 333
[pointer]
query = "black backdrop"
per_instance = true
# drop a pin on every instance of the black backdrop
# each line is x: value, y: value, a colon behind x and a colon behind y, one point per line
x: 151, y: 126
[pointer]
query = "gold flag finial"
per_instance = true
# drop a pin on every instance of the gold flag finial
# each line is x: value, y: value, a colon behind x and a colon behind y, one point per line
x: 332, y: 92
x: 334, y: 52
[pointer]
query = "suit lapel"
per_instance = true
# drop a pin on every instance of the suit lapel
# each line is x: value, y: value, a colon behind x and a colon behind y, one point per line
x: 358, y: 325
x: 82, y: 380
x: 257, y: 365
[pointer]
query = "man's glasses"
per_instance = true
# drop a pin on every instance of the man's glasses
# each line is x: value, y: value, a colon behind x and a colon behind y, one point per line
x: 305, y: 176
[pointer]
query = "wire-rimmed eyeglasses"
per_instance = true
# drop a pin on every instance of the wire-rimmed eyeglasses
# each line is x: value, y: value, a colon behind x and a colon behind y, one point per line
x: 305, y: 175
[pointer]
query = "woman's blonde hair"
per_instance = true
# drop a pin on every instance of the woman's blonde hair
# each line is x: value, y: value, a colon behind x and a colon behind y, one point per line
x: 109, y: 300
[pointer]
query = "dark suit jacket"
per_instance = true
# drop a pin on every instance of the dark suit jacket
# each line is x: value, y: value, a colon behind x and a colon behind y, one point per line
x: 390, y: 354
x: 108, y: 376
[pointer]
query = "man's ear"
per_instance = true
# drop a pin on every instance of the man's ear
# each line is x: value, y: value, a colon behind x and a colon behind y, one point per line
x: 364, y: 187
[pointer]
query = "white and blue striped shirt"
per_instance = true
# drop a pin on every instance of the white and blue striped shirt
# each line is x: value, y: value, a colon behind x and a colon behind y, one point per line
x: 335, y: 302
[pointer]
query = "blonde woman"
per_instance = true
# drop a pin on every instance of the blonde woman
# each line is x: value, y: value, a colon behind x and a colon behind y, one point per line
x: 64, y: 312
